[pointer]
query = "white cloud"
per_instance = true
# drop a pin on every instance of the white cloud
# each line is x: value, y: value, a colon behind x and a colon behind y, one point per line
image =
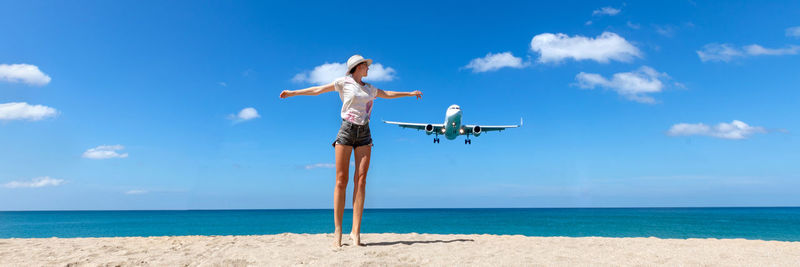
x: 757, y: 50
x: 718, y: 52
x: 492, y: 62
x: 105, y: 152
x: 35, y: 183
x: 325, y: 165
x: 377, y: 73
x: 734, y: 130
x: 326, y: 73
x: 135, y: 192
x: 604, y: 48
x: 23, y: 73
x: 610, y: 11
x: 322, y: 74
x: 223, y: 84
x: 635, y: 85
x: 728, y: 52
x: 245, y: 114
x: 320, y: 165
x: 793, y: 32
x: 24, y: 111
x: 634, y: 25
x: 666, y: 30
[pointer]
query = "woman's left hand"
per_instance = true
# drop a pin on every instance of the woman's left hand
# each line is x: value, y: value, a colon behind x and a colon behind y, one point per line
x: 417, y: 93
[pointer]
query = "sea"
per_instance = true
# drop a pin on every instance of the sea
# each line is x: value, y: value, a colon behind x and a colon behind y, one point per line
x: 778, y: 223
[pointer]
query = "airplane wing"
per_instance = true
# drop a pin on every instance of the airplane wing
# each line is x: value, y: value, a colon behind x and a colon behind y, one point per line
x: 418, y: 126
x: 489, y: 128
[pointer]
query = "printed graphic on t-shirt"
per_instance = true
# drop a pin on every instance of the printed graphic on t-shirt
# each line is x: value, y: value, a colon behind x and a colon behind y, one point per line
x: 369, y: 108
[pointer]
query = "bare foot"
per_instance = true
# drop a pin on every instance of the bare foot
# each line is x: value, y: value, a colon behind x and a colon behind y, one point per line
x: 337, y: 238
x: 356, y: 239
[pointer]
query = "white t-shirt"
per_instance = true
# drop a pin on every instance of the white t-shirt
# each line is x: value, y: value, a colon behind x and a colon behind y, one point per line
x: 356, y: 99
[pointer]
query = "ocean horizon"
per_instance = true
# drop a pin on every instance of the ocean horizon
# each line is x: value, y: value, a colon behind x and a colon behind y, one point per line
x: 763, y: 223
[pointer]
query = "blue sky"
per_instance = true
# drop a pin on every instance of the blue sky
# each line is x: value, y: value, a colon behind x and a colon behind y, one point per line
x: 174, y: 105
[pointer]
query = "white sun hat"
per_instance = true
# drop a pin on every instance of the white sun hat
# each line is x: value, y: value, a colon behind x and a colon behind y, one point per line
x: 355, y: 60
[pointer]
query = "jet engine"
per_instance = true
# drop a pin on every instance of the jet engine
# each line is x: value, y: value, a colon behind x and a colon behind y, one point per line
x: 428, y: 129
x: 476, y: 130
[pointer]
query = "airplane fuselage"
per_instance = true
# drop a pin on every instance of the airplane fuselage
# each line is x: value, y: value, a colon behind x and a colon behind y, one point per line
x: 452, y: 123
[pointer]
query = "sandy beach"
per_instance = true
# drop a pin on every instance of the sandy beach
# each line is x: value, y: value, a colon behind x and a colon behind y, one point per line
x: 393, y: 250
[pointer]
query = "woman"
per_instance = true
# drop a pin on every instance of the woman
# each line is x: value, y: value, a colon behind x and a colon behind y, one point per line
x: 357, y: 97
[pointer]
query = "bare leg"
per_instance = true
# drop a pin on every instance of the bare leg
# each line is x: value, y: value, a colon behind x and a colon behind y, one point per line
x: 340, y: 191
x: 359, y: 185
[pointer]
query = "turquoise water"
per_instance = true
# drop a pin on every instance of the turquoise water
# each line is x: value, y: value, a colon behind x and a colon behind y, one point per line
x: 750, y: 223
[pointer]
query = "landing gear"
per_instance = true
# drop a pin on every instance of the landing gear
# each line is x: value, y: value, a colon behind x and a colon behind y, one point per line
x: 467, y: 141
x: 436, y: 139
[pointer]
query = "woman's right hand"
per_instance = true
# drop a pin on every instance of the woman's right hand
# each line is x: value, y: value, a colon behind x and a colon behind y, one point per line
x: 285, y: 94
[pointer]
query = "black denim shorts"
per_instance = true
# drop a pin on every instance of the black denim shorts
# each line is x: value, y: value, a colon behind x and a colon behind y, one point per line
x: 351, y: 134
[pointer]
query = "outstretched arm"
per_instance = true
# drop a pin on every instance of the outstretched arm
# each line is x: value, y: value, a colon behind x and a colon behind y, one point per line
x: 393, y: 94
x: 315, y: 90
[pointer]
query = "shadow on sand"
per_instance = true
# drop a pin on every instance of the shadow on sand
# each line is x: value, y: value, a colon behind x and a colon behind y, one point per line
x: 417, y: 242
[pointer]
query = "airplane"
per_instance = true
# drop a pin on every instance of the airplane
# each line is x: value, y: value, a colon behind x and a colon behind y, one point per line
x: 452, y: 127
